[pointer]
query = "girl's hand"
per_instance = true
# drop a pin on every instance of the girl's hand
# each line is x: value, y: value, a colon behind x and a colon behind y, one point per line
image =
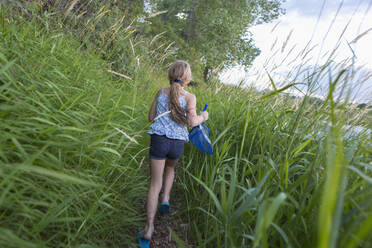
x: 204, y: 114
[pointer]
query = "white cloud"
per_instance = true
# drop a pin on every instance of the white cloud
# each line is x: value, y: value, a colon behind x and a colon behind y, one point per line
x: 304, y: 27
x: 330, y: 32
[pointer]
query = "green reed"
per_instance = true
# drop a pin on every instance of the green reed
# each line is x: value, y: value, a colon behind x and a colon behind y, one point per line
x: 279, y: 147
x: 72, y: 151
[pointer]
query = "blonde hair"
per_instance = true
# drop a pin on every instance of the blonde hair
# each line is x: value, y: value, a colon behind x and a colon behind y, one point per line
x: 179, y: 75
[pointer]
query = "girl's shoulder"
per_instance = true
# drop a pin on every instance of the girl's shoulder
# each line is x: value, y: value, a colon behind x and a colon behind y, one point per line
x: 165, y: 91
x: 189, y: 95
x: 190, y: 99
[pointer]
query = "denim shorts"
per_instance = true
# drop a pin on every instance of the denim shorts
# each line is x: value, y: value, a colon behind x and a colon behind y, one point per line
x: 162, y: 147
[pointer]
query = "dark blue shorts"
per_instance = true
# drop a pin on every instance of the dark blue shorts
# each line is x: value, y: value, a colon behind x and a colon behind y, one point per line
x: 162, y: 147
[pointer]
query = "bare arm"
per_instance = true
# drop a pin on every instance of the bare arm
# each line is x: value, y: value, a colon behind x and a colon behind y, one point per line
x: 192, y: 118
x: 152, y: 112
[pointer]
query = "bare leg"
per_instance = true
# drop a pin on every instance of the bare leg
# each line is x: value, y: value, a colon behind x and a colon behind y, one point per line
x: 157, y: 169
x: 168, y: 179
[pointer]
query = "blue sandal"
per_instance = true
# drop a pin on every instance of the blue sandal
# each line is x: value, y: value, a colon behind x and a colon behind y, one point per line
x: 143, y: 243
x: 164, y: 208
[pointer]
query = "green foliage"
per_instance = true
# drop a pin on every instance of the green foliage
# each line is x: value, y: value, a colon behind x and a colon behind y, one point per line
x: 213, y: 34
x: 67, y: 176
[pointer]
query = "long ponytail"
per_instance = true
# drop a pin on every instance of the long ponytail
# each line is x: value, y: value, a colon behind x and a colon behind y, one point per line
x: 177, y: 113
x: 179, y: 75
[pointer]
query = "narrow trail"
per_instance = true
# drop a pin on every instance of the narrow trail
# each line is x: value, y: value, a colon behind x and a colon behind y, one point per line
x: 162, y: 237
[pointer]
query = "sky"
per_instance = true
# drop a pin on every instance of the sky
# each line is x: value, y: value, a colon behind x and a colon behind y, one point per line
x: 319, y: 26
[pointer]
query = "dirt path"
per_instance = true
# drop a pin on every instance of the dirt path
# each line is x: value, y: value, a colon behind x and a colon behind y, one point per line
x: 161, y: 237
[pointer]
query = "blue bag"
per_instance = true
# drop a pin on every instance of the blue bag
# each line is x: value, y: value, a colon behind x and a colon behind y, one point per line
x: 199, y: 137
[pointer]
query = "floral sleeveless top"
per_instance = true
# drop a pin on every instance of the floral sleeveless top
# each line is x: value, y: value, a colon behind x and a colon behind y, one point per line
x: 163, y: 124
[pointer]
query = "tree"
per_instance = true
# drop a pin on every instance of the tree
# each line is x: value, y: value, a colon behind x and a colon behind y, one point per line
x: 214, y: 33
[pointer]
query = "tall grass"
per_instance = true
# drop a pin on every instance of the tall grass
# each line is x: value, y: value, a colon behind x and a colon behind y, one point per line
x: 72, y: 150
x: 279, y: 176
x: 275, y: 180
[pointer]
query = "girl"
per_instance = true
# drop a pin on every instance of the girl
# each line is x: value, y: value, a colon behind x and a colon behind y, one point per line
x: 172, y: 110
